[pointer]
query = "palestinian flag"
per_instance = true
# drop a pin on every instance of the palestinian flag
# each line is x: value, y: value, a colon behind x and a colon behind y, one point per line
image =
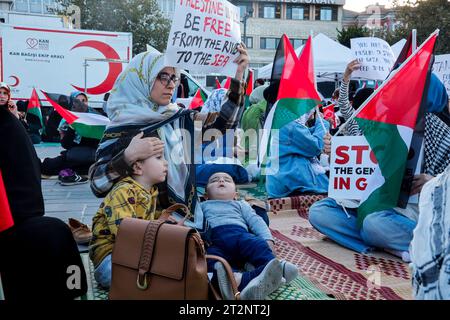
x: 34, y: 107
x: 88, y: 125
x: 388, y: 119
x: 198, y: 101
x: 405, y: 53
x: 6, y: 220
x: 249, y: 90
x: 328, y: 113
x: 297, y: 93
x: 218, y: 86
x: 227, y: 83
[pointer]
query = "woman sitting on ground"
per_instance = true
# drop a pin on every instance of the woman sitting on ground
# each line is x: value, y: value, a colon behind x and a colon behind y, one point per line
x: 141, y: 101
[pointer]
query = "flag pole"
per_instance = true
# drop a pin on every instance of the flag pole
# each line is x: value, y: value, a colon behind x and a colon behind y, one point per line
x: 2, y: 296
x: 393, y: 73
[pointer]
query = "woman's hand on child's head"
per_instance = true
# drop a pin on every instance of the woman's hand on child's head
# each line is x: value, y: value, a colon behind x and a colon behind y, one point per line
x: 142, y: 148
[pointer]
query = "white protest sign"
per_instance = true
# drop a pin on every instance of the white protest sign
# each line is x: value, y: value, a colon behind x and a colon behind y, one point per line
x: 352, y: 163
x: 441, y: 68
x: 375, y: 56
x: 204, y: 36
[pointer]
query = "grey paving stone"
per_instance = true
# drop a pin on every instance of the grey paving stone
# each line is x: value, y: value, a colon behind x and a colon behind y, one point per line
x: 66, y: 202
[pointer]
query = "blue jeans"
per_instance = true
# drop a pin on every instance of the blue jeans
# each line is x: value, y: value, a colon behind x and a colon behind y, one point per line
x: 238, y: 246
x: 384, y: 229
x: 102, y: 273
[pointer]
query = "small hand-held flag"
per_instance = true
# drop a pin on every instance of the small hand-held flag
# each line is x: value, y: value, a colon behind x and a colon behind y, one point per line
x: 218, y: 86
x: 88, y: 125
x: 198, y: 100
x: 34, y: 106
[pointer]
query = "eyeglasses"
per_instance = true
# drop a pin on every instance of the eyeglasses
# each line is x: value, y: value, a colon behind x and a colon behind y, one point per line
x: 165, y: 79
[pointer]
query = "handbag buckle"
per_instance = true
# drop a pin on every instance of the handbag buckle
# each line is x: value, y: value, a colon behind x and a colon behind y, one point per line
x: 139, y: 284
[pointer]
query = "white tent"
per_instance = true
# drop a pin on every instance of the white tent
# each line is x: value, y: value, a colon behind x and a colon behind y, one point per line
x: 330, y: 59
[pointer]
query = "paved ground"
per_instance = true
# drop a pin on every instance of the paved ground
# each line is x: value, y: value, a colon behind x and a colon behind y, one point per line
x: 66, y: 202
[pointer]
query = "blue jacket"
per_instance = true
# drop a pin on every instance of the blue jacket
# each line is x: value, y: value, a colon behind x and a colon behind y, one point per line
x: 297, y: 145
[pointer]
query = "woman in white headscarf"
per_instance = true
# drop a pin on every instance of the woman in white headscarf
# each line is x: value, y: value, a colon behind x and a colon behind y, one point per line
x: 144, y: 122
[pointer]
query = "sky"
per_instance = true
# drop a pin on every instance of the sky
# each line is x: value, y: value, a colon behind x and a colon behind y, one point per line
x: 360, y: 5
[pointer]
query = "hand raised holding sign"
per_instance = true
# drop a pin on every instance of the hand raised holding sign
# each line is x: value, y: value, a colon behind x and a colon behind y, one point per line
x: 242, y: 61
x: 352, y: 66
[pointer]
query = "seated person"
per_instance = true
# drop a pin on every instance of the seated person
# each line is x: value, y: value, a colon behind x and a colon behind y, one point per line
x: 253, y: 119
x: 53, y: 120
x: 237, y: 234
x: 79, y: 153
x: 134, y: 196
x: 33, y: 122
x: 390, y: 229
x: 37, y: 251
x: 429, y: 251
x: 294, y: 157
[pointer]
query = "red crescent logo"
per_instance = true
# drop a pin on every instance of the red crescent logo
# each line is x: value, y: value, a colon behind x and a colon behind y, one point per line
x: 17, y: 81
x: 114, y: 68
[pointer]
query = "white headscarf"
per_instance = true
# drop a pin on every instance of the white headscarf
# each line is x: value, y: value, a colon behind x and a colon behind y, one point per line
x: 130, y: 102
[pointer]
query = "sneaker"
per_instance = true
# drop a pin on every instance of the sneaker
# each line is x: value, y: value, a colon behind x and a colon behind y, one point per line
x: 81, y: 232
x: 224, y: 283
x: 68, y: 177
x: 290, y: 271
x: 269, y: 280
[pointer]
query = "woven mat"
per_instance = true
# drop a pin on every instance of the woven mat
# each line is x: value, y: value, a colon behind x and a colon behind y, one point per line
x: 327, y: 270
x: 299, y: 289
x: 343, y: 273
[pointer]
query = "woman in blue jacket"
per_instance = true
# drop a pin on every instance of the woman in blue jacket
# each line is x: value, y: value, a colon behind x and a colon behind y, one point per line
x: 293, y: 162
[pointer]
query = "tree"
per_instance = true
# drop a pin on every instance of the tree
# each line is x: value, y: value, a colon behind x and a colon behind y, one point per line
x: 355, y: 31
x: 425, y: 16
x: 140, y: 17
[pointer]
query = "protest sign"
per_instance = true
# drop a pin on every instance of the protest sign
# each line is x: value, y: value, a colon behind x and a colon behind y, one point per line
x: 204, y: 36
x: 441, y: 68
x: 375, y: 56
x: 352, y: 163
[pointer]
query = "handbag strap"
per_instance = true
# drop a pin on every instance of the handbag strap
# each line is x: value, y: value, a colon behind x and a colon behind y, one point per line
x: 165, y: 215
x: 147, y: 251
x: 229, y: 271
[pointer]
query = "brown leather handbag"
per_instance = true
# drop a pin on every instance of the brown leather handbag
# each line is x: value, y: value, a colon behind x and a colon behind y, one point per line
x: 158, y: 260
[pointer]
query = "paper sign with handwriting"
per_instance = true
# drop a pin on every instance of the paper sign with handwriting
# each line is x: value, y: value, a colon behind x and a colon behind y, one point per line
x: 375, y: 56
x: 204, y: 36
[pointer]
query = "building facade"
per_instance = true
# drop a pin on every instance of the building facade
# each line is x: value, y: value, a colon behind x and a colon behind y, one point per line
x: 30, y: 6
x: 41, y: 13
x: 374, y: 17
x: 266, y: 21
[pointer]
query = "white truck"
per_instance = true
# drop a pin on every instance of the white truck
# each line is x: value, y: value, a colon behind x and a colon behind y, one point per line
x: 62, y: 60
